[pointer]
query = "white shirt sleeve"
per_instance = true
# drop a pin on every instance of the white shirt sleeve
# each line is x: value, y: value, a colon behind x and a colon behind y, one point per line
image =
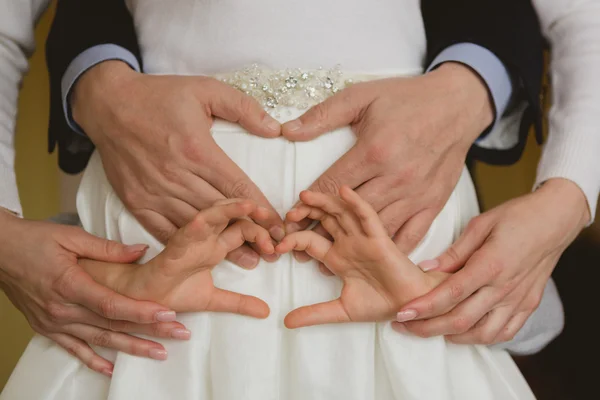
x: 573, y: 145
x: 17, y: 21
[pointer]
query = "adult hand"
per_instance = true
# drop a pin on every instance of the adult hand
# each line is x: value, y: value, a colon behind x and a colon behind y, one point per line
x: 180, y: 276
x: 153, y: 135
x: 413, y: 135
x: 40, y: 275
x: 503, y: 261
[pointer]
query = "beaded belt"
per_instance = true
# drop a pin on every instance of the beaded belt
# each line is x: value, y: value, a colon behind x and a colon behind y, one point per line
x: 298, y: 88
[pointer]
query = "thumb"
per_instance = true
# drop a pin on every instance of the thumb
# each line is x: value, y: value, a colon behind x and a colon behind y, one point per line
x: 92, y: 247
x: 455, y: 257
x: 317, y: 314
x: 232, y: 105
x: 341, y: 109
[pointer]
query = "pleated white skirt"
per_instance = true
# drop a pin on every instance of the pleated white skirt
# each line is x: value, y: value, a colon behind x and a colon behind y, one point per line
x: 231, y: 357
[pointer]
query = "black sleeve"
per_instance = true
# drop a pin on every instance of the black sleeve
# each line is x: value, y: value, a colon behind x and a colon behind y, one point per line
x: 508, y: 28
x: 79, y: 25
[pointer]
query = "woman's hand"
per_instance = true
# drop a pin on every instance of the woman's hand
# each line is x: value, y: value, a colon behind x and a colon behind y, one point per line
x: 502, y: 263
x: 377, y: 276
x: 180, y: 276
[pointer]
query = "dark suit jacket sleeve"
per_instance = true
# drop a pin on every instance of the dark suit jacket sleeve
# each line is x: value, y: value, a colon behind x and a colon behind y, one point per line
x: 79, y: 25
x: 508, y: 28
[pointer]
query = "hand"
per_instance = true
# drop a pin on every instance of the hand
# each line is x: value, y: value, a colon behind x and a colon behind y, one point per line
x: 180, y: 276
x: 504, y: 259
x: 413, y: 135
x: 40, y: 275
x: 377, y: 276
x: 153, y: 135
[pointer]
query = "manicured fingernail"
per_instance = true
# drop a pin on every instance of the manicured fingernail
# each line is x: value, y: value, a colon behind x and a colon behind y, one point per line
x: 247, y: 261
x: 428, y: 265
x: 166, y: 316
x: 407, y: 315
x: 107, y: 372
x: 181, y: 334
x: 272, y: 123
x: 136, y: 248
x: 301, y: 257
x: 158, y: 354
x: 277, y: 233
x: 400, y: 328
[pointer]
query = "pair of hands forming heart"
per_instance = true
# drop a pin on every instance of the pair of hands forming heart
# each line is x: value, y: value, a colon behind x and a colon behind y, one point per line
x: 378, y: 278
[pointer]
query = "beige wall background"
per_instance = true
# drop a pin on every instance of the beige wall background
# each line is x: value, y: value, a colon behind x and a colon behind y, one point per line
x: 39, y: 184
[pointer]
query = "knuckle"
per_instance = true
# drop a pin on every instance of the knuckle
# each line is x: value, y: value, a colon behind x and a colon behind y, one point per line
x: 461, y: 324
x: 64, y: 285
x: 494, y: 268
x: 108, y: 308
x: 239, y: 189
x: 327, y: 184
x: 485, y: 337
x: 246, y: 105
x: 457, y: 291
x: 476, y: 226
x: 320, y: 112
x: 378, y: 154
x: 452, y: 254
x: 102, y: 339
x: 57, y: 313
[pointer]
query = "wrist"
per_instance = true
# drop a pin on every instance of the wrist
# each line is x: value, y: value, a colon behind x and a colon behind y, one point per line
x: 569, y: 197
x: 470, y: 95
x: 95, y: 89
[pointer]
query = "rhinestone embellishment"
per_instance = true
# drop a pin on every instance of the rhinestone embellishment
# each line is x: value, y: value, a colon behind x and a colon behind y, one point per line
x: 289, y: 87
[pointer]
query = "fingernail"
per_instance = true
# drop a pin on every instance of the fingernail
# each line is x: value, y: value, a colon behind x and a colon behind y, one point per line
x: 407, y: 315
x: 136, y: 248
x: 272, y: 123
x: 166, y: 316
x: 400, y: 328
x: 247, y: 261
x: 158, y: 354
x: 428, y: 265
x: 292, y: 227
x: 107, y: 372
x: 270, y: 257
x: 293, y: 125
x: 302, y: 257
x: 277, y: 233
x: 181, y: 334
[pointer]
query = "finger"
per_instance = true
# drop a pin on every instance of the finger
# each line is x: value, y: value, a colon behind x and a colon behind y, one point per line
x: 414, y: 230
x: 317, y: 314
x: 108, y: 304
x: 246, y: 231
x: 87, y: 245
x: 339, y: 110
x: 315, y: 245
x: 83, y: 352
x: 244, y: 257
x: 233, y: 183
x: 351, y: 169
x: 232, y: 105
x: 486, y: 331
x: 324, y: 270
x: 173, y: 330
x: 177, y: 211
x: 514, y: 325
x: 395, y: 215
x: 477, y: 273
x: 303, y: 211
x: 159, y: 226
x: 231, y: 302
x: 367, y: 216
x: 335, y: 207
x: 320, y: 229
x: 459, y: 320
x: 117, y: 341
x: 380, y: 192
x: 467, y: 244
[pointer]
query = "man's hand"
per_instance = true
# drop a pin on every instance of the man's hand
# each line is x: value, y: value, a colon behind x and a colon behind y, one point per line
x: 413, y: 137
x: 40, y: 275
x: 377, y: 276
x: 504, y: 259
x: 180, y: 276
x: 153, y: 135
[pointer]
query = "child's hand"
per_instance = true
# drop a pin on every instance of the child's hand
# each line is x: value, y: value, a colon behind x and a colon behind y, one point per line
x: 378, y: 278
x: 180, y: 276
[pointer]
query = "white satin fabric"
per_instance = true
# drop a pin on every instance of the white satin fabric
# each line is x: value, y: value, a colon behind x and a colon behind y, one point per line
x: 232, y: 357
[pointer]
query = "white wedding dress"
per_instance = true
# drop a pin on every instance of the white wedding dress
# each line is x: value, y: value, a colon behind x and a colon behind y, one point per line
x: 232, y: 357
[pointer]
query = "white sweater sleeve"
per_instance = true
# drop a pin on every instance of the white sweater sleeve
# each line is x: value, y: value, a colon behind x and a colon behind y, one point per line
x: 17, y: 21
x: 573, y: 145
